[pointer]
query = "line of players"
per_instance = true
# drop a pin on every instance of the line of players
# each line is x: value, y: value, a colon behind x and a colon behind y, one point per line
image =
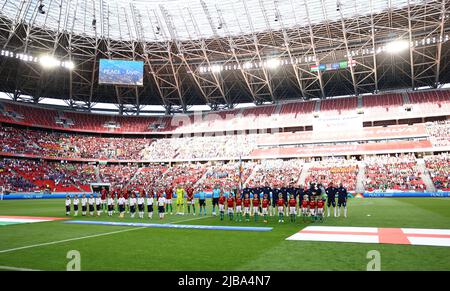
x: 258, y: 201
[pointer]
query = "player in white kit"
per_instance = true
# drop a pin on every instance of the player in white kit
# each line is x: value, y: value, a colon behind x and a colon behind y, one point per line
x: 98, y: 204
x: 140, y: 202
x: 68, y: 203
x: 75, y: 205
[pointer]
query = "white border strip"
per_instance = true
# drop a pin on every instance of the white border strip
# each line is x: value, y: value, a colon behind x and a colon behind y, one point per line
x: 16, y: 269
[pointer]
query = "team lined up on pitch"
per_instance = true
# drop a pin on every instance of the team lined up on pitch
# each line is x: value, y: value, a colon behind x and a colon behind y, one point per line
x: 237, y: 204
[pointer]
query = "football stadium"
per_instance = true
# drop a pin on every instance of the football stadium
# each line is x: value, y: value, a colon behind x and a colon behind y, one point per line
x: 232, y: 135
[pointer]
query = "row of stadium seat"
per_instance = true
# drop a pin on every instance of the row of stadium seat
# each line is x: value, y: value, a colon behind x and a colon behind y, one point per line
x: 382, y: 173
x: 266, y: 116
x: 38, y: 143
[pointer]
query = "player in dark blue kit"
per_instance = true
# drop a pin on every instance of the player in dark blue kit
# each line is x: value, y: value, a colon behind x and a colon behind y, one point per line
x: 331, y: 198
x: 312, y: 191
x: 275, y: 193
x: 284, y: 194
x: 342, y: 199
x: 299, y: 192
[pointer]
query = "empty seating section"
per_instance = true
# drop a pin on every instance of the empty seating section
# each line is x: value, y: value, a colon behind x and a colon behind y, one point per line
x: 297, y: 109
x: 339, y: 105
x: 430, y: 102
x: 429, y: 97
x: 257, y: 111
x: 424, y: 102
x: 385, y: 100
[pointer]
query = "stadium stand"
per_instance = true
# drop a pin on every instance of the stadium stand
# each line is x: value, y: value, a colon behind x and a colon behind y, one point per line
x: 439, y: 168
x: 336, y: 170
x: 388, y: 105
x: 276, y: 172
x: 226, y: 175
x: 439, y: 133
x: 393, y: 173
x: 337, y: 106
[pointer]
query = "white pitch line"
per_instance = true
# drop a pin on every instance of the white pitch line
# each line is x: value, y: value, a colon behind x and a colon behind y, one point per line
x: 16, y: 269
x: 67, y: 240
x: 197, y: 218
x: 89, y: 236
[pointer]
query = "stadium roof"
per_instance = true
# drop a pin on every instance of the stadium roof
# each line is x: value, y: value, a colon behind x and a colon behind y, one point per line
x: 188, y: 19
x: 224, y: 52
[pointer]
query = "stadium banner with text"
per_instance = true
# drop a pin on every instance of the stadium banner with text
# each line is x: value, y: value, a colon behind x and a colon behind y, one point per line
x: 341, y: 122
x: 369, y: 148
x: 405, y: 194
x: 19, y: 196
x: 366, y: 133
x: 121, y: 72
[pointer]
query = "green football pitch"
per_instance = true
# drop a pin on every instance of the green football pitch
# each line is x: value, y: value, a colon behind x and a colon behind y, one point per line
x: 44, y: 245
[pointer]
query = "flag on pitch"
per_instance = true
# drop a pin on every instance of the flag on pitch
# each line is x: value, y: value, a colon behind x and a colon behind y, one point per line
x: 404, y: 236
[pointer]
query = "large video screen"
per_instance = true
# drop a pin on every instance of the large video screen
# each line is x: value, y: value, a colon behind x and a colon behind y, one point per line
x: 121, y: 72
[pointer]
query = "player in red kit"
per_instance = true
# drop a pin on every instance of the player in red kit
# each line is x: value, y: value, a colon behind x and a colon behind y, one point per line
x: 312, y: 208
x: 239, y: 207
x: 265, y: 207
x: 222, y: 205
x: 104, y: 194
x: 190, y: 199
x: 280, y: 206
x: 292, y: 208
x: 320, y: 205
x: 126, y: 195
x: 247, y: 207
x: 305, y: 204
x: 255, y: 203
x: 230, y: 206
x: 169, y: 194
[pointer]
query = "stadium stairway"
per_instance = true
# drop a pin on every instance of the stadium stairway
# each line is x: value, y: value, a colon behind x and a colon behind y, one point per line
x: 317, y: 106
x: 406, y: 100
x: 304, y: 173
x: 201, y: 180
x: 425, y: 175
x: 97, y: 174
x: 277, y: 110
x: 360, y: 177
x: 133, y: 178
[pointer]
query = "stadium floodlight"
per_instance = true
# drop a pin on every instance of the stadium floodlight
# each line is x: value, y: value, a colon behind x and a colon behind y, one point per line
x: 69, y: 65
x: 396, y: 46
x: 248, y: 65
x: 273, y: 63
x: 48, y: 62
x: 216, y: 68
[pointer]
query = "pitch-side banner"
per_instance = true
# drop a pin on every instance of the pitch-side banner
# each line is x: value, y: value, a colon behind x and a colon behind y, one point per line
x: 333, y: 123
x: 121, y: 72
x: 366, y: 133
